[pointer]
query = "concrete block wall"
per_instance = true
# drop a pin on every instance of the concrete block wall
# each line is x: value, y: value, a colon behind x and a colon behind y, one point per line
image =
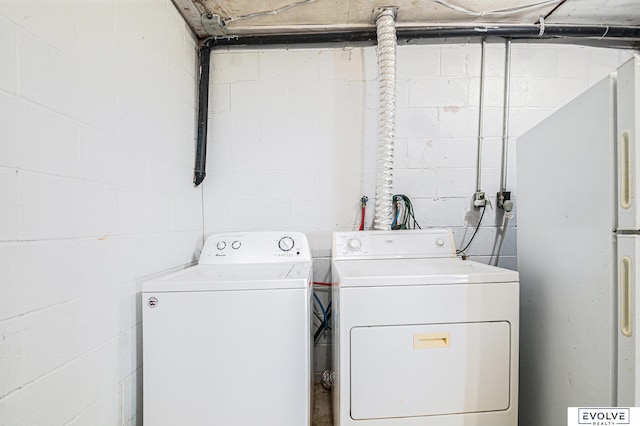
x: 293, y: 136
x: 97, y: 107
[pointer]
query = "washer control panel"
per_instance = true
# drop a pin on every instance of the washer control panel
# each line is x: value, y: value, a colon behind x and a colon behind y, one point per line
x: 286, y: 243
x: 393, y: 244
x: 255, y: 247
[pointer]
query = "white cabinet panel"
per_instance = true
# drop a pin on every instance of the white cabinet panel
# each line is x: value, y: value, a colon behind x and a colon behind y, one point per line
x: 628, y: 322
x: 232, y: 358
x: 628, y: 117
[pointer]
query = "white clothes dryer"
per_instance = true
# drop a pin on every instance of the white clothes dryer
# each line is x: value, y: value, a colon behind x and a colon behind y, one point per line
x: 421, y: 337
x: 227, y: 342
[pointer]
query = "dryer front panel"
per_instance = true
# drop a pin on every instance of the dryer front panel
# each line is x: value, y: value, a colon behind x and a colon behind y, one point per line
x: 429, y: 370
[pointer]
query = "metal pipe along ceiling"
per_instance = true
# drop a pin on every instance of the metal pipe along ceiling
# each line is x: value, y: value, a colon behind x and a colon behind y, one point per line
x: 406, y: 35
x: 547, y: 31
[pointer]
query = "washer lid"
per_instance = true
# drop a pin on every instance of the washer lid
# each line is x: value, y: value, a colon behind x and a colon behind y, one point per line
x: 399, y: 272
x: 255, y: 276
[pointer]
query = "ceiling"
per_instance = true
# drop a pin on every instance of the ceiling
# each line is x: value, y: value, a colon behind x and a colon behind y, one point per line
x: 243, y: 17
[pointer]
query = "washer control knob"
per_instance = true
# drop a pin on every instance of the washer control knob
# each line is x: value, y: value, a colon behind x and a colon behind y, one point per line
x: 439, y: 242
x: 221, y: 245
x: 236, y: 245
x: 354, y: 244
x: 286, y: 243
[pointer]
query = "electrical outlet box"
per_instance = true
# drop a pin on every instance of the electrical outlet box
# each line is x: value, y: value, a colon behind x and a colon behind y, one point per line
x: 479, y: 199
x: 504, y: 200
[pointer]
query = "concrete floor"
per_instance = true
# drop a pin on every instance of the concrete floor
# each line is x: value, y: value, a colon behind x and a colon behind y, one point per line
x: 322, y: 414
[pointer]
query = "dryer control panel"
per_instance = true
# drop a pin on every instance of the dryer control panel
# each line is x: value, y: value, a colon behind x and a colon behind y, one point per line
x: 427, y: 243
x: 255, y: 247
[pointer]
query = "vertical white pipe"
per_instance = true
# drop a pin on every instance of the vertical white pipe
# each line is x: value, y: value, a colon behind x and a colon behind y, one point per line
x: 505, y: 117
x: 505, y: 141
x: 386, y: 31
x: 480, y: 119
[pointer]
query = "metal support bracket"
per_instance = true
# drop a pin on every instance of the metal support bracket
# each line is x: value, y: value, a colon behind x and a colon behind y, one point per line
x: 214, y: 24
x: 378, y: 10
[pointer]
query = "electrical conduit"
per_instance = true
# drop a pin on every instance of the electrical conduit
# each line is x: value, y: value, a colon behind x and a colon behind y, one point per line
x: 481, y: 118
x: 386, y: 34
x: 507, y: 205
x: 505, y: 115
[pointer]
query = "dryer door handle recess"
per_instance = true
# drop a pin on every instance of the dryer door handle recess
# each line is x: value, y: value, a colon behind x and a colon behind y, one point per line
x: 431, y: 340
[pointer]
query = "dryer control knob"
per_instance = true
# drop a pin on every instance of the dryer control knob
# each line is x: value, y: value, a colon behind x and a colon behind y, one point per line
x: 439, y: 242
x: 236, y: 245
x: 354, y: 244
x: 221, y: 245
x: 286, y: 243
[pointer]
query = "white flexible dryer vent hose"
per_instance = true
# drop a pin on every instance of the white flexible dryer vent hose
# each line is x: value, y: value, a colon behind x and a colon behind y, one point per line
x: 386, y: 31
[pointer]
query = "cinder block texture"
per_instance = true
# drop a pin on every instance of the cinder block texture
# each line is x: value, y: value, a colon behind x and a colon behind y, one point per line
x: 299, y: 136
x: 97, y: 103
x: 294, y: 136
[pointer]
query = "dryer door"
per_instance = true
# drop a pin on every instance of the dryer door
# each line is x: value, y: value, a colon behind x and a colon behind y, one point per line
x: 433, y: 369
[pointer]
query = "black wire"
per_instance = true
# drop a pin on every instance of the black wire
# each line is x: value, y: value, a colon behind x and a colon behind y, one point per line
x: 474, y: 232
x: 415, y: 223
x: 407, y: 212
x: 411, y: 213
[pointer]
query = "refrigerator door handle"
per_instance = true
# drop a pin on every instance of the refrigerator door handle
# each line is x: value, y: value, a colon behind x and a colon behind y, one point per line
x: 626, y: 177
x: 626, y: 274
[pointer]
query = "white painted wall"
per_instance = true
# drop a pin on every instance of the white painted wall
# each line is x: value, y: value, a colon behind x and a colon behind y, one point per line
x: 97, y: 132
x: 96, y: 155
x: 292, y: 138
x: 293, y: 135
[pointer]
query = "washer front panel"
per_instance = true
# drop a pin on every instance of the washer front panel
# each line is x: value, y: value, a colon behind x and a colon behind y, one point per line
x: 232, y: 358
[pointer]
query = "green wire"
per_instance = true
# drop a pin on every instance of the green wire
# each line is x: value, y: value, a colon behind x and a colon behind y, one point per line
x: 408, y: 214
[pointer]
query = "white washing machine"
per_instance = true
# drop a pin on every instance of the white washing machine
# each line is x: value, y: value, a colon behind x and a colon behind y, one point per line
x: 421, y: 336
x: 228, y: 342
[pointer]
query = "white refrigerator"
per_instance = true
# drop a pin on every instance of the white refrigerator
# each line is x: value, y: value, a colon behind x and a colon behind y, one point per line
x: 578, y: 177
